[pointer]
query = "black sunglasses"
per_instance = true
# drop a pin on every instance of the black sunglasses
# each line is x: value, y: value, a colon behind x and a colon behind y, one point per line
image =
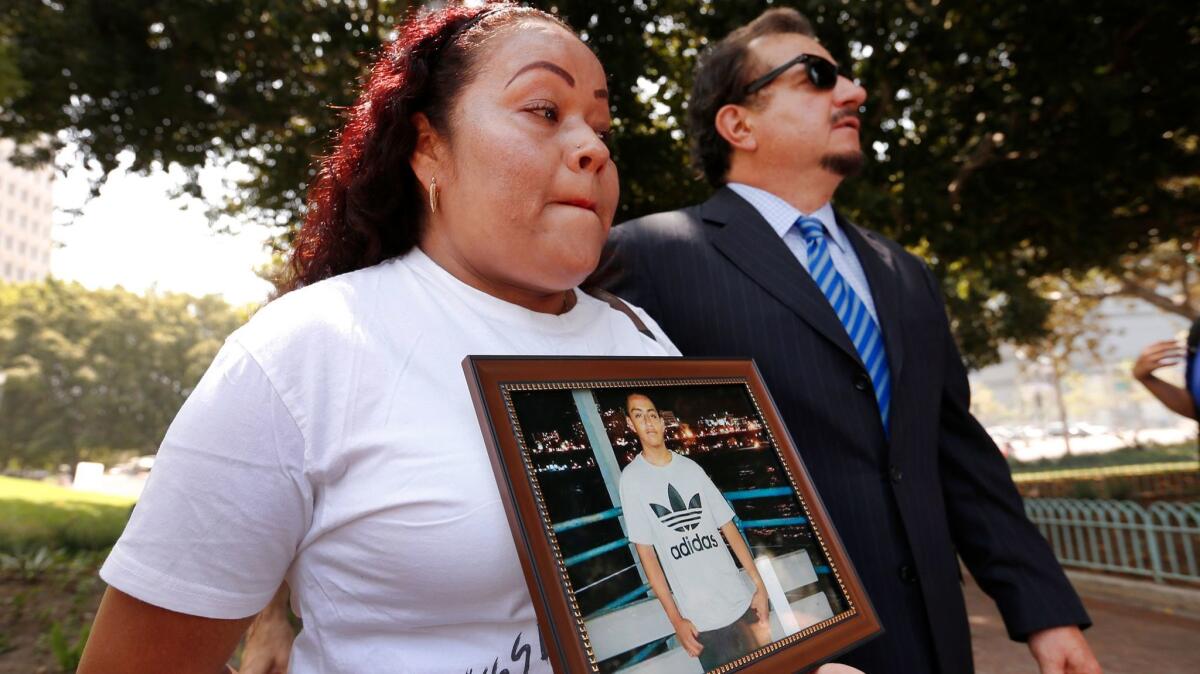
x: 822, y: 73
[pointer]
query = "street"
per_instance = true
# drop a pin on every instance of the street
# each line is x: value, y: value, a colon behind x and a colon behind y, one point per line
x: 1126, y: 640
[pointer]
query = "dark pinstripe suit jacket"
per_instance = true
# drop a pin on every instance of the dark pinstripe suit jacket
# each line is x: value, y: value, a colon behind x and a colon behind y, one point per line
x: 720, y: 282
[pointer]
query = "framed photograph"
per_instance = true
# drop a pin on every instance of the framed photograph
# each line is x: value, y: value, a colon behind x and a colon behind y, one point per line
x: 664, y: 520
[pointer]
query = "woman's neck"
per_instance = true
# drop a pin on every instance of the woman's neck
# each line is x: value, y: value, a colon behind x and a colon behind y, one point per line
x: 555, y: 302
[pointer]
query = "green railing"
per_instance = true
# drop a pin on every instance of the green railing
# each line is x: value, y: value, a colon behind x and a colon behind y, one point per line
x: 1159, y: 541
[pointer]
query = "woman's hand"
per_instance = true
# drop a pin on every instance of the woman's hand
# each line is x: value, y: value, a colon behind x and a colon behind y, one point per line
x: 269, y: 639
x: 1158, y: 354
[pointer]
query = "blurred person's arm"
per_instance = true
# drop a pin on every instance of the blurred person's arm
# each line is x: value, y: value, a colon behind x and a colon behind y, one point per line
x: 1155, y: 356
x: 269, y: 638
x: 685, y: 631
x: 130, y: 636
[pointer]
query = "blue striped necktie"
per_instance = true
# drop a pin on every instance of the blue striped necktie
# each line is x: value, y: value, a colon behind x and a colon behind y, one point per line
x: 862, y: 329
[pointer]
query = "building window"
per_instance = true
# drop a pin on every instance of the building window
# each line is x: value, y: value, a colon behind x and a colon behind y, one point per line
x: 7, y: 269
x: 21, y: 248
x: 8, y: 242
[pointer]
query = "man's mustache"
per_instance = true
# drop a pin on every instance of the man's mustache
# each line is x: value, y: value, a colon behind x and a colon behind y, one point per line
x: 843, y: 114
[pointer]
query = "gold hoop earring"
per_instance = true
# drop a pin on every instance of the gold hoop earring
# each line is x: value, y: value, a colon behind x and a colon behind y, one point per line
x: 433, y: 195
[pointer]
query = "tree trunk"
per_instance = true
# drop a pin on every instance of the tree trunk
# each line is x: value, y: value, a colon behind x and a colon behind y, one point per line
x: 1062, y: 407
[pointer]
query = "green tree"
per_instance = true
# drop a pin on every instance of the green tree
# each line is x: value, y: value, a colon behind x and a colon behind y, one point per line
x: 1010, y: 141
x: 11, y: 82
x: 191, y: 82
x: 88, y: 371
x: 1167, y: 276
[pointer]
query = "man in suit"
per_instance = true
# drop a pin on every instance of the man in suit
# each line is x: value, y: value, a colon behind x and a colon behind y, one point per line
x: 851, y: 336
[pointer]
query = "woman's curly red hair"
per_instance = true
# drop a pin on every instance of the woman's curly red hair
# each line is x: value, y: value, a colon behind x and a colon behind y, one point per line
x: 365, y: 204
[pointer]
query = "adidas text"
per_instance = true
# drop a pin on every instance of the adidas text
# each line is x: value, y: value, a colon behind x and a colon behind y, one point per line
x: 696, y: 543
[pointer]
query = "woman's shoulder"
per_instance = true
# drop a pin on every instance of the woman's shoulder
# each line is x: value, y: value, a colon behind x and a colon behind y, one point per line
x: 332, y: 313
x: 626, y: 317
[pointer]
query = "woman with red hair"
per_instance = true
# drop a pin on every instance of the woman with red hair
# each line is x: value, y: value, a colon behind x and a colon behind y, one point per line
x: 333, y: 443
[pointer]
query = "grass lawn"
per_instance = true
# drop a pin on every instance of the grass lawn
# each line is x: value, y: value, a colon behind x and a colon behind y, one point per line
x: 52, y: 541
x: 1130, y: 456
x: 36, y: 514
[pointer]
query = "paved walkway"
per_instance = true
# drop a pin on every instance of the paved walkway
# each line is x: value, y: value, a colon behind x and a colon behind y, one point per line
x: 1126, y: 640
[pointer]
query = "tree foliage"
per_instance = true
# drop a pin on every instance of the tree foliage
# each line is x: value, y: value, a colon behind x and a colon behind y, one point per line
x: 86, y: 371
x: 11, y: 84
x: 1167, y: 276
x: 1009, y: 140
x: 193, y: 81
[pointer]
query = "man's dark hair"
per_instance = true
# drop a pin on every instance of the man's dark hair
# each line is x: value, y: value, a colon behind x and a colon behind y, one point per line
x: 720, y: 79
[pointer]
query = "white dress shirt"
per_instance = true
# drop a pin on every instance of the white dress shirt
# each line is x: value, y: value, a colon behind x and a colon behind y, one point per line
x: 781, y: 215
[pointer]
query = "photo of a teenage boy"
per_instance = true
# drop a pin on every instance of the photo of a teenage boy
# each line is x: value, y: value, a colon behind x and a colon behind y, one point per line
x: 673, y: 513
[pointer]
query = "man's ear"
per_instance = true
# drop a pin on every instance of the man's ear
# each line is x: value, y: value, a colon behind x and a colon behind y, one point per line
x: 735, y: 126
x: 429, y: 152
x: 629, y: 423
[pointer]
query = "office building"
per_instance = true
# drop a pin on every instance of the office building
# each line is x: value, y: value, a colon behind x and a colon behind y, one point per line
x: 26, y: 215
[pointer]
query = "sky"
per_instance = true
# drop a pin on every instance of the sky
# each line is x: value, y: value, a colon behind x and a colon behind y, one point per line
x: 135, y: 236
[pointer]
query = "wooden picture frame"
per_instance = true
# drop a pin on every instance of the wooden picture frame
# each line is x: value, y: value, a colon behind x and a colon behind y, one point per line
x: 561, y: 439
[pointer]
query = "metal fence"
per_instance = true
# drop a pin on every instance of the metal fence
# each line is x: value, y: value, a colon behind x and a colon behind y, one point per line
x: 1159, y: 541
x: 624, y: 600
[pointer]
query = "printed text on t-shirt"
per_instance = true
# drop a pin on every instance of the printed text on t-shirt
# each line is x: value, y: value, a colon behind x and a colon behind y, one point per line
x: 520, y: 655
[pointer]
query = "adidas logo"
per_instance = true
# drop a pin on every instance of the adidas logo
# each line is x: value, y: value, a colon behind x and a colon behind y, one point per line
x: 679, y: 517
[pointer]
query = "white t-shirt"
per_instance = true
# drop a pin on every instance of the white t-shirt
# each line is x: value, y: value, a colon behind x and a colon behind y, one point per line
x: 333, y: 443
x: 677, y: 509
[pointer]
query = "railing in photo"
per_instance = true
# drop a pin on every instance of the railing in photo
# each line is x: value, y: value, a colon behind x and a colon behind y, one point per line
x: 638, y: 606
x: 613, y: 513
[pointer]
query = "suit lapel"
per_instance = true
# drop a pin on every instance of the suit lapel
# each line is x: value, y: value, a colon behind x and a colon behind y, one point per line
x: 879, y: 264
x: 754, y: 248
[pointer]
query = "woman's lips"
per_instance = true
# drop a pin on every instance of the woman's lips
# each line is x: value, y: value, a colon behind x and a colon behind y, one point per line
x: 585, y: 204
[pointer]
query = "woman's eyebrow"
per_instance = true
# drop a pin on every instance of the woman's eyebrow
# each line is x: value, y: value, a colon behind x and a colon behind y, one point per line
x: 545, y: 65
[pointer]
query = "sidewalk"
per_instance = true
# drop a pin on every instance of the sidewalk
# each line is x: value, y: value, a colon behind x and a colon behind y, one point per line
x: 1127, y: 640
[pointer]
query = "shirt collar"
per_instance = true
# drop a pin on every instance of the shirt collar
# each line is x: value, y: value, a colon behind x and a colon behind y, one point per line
x: 781, y: 215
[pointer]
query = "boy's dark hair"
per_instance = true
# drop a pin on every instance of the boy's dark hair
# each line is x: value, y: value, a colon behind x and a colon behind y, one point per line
x: 632, y: 394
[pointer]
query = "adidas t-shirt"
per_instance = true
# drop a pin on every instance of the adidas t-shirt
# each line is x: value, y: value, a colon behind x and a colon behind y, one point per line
x: 333, y: 443
x: 677, y: 509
